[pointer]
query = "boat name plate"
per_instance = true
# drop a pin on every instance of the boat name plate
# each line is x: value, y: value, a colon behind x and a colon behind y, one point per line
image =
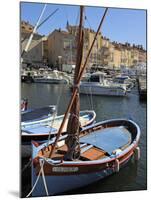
x: 65, y: 169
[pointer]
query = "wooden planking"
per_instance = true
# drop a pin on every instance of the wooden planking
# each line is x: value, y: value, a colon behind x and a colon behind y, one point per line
x: 93, y: 154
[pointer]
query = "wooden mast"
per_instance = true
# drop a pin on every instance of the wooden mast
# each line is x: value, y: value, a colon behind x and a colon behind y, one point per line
x: 73, y: 126
x: 76, y: 88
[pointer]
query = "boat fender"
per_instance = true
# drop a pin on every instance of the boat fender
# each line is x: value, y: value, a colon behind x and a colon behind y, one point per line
x: 137, y: 154
x: 117, y: 165
x: 116, y: 153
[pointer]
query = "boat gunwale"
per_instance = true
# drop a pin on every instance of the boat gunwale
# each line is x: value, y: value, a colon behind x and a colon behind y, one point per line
x: 85, y: 84
x: 107, y: 159
x: 48, y: 117
x: 89, y: 112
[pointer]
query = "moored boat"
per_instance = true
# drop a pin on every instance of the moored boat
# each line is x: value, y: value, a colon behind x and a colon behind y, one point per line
x: 124, y: 81
x: 54, y: 77
x: 105, y: 148
x: 40, y: 130
x: 98, y: 85
x: 37, y: 115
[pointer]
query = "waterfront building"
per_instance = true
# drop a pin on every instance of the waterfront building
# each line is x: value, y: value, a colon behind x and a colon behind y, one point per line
x: 126, y: 55
x: 116, y: 57
x: 26, y: 27
x: 58, y: 49
x: 134, y: 55
x: 142, y: 57
x: 62, y: 46
x: 45, y: 50
x: 105, y: 52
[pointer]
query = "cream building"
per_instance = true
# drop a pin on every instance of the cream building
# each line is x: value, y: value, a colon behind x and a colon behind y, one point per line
x: 89, y: 35
x: 34, y: 55
x: 26, y: 27
x: 61, y: 48
x: 116, y: 57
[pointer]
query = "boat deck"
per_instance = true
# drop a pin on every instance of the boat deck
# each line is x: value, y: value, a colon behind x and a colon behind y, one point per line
x: 94, y: 146
x: 88, y: 152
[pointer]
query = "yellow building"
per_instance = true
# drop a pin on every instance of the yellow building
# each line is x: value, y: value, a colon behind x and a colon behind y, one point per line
x: 107, y: 53
x: 134, y: 56
x: 26, y: 27
x: 89, y: 35
x: 61, y: 48
x: 116, y: 57
x: 129, y: 56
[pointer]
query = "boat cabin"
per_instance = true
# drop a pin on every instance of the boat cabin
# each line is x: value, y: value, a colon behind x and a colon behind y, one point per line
x: 97, y: 77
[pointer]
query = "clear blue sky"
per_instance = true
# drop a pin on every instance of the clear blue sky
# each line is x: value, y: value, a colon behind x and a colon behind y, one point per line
x: 121, y: 25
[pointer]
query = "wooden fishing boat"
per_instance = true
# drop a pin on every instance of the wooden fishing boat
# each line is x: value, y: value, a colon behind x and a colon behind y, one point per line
x: 105, y: 148
x: 40, y: 130
x: 79, y: 157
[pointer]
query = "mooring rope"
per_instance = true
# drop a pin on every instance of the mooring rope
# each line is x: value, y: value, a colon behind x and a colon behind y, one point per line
x: 43, y: 177
x: 34, y: 184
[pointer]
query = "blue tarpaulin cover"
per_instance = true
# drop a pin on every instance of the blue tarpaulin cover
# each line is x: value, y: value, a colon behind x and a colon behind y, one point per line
x: 39, y: 129
x: 108, y: 139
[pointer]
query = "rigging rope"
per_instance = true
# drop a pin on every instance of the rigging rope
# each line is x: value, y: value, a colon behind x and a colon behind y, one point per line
x: 53, y: 119
x: 91, y: 98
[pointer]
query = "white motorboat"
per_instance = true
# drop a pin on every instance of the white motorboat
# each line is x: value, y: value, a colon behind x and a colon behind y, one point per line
x: 99, y: 85
x: 124, y: 81
x: 54, y: 77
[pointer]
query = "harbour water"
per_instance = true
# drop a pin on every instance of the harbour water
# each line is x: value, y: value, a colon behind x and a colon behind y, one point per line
x: 133, y: 176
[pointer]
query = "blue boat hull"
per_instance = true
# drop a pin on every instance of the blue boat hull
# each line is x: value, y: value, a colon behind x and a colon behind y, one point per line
x: 61, y: 184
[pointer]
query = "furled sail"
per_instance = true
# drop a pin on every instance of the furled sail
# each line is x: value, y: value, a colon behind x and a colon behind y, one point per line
x: 73, y: 127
